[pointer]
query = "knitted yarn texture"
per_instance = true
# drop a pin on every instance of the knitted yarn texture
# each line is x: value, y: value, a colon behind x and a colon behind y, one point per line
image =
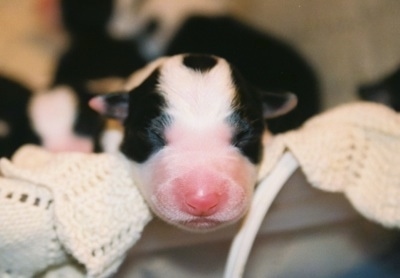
x: 353, y: 149
x: 56, y: 206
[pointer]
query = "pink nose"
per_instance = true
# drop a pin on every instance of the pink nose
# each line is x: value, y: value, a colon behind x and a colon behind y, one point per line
x: 202, y: 204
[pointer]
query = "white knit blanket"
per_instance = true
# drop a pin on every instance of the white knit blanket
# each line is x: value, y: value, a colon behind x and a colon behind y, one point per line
x: 353, y: 149
x: 55, y: 208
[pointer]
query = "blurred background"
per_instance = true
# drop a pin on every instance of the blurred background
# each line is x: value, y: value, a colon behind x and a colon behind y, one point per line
x: 348, y: 43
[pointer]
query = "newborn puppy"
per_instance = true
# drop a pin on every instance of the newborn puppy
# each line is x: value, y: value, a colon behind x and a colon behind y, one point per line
x: 385, y: 91
x: 64, y: 122
x: 193, y: 131
x: 90, y: 56
x: 56, y: 119
x: 91, y: 52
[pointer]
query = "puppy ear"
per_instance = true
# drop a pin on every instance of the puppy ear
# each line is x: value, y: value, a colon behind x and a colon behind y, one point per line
x: 273, y: 104
x: 277, y: 104
x: 112, y: 105
x: 380, y: 94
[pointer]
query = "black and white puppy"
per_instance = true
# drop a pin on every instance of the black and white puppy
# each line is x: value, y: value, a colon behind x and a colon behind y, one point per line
x: 15, y: 126
x: 170, y: 27
x: 92, y: 54
x: 62, y: 123
x: 193, y: 130
x: 46, y: 118
x: 385, y: 90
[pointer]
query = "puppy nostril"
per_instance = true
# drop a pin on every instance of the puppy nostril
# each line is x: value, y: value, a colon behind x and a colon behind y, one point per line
x: 202, y: 205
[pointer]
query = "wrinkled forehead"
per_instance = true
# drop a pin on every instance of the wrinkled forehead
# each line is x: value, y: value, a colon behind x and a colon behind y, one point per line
x: 191, y: 102
x: 197, y: 85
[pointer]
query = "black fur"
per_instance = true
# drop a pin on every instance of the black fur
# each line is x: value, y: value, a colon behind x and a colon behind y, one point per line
x: 88, y: 123
x: 92, y: 54
x: 146, y: 121
x: 13, y: 111
x: 142, y: 112
x: 247, y: 119
x: 385, y: 91
x: 264, y: 61
x: 202, y: 63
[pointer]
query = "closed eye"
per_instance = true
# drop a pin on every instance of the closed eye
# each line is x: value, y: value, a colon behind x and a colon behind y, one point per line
x: 156, y: 129
x: 243, y: 130
x: 247, y: 136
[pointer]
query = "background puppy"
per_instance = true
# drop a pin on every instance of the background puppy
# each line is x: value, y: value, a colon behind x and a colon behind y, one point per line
x: 46, y: 118
x: 385, y: 91
x: 91, y: 54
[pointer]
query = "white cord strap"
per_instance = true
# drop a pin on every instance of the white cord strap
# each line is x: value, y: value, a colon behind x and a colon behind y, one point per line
x: 264, y: 195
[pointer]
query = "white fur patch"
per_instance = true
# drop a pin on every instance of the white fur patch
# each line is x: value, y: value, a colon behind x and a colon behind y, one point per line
x: 111, y: 140
x: 197, y: 99
x: 193, y: 97
x: 53, y: 115
x: 53, y: 112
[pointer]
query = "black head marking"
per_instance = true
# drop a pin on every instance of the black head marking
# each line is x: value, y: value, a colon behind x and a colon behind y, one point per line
x: 146, y: 121
x: 251, y: 107
x: 247, y: 119
x: 199, y: 62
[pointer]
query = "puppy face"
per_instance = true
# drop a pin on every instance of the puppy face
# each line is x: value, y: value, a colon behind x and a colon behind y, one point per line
x: 193, y: 132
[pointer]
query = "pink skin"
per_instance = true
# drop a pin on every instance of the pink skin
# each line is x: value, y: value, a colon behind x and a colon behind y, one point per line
x: 53, y: 114
x: 97, y: 104
x: 201, y: 195
x: 199, y: 181
x: 68, y: 143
